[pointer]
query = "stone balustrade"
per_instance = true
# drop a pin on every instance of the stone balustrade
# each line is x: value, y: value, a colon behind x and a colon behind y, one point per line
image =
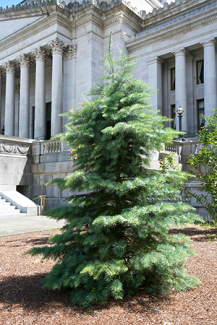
x: 170, y: 148
x: 51, y: 146
x: 183, y: 150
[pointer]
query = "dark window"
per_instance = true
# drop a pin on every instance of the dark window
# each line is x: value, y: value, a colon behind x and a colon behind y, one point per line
x: 173, y: 115
x: 200, y: 113
x: 172, y: 77
x: 200, y: 72
x: 33, y: 121
x: 48, y: 121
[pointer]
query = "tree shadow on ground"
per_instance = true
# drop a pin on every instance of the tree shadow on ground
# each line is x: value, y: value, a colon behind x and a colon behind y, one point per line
x: 29, y: 242
x: 197, y: 234
x: 38, y: 241
x: 27, y: 292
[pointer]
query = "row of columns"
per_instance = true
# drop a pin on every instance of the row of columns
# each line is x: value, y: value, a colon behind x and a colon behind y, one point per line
x: 57, y: 48
x: 210, y: 86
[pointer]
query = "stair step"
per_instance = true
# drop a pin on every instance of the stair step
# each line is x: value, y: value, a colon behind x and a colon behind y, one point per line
x: 8, y: 212
x: 7, y: 207
x: 5, y: 204
x: 3, y: 201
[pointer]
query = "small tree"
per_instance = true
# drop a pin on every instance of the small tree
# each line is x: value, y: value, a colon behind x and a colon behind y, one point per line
x: 205, y: 164
x: 116, y: 237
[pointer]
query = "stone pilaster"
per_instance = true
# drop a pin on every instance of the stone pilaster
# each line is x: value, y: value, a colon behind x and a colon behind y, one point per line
x: 9, y: 98
x: 69, y: 80
x: 40, y: 123
x: 181, y: 87
x: 209, y: 77
x: 24, y: 97
x: 57, y: 48
x: 155, y: 80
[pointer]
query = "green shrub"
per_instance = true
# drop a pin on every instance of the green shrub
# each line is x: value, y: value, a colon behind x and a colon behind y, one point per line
x: 205, y: 164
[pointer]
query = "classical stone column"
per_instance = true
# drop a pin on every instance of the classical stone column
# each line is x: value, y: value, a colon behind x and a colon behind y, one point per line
x: 209, y: 77
x: 1, y: 122
x: 155, y: 80
x: 9, y: 98
x: 40, y: 125
x: 180, y: 87
x: 192, y: 113
x: 24, y: 97
x: 57, y: 86
x: 69, y: 80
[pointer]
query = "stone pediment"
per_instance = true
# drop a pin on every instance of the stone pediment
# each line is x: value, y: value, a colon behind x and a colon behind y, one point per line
x: 9, y: 26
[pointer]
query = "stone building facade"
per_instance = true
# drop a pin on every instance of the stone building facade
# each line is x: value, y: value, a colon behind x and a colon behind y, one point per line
x: 50, y: 52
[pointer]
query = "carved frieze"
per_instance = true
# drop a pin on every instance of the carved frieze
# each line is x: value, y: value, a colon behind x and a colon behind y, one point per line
x: 14, y: 149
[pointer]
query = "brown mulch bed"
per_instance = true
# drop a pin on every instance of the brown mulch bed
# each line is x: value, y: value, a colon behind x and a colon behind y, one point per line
x: 23, y: 301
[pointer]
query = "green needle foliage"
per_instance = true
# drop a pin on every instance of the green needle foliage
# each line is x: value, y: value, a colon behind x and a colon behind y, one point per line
x: 116, y: 238
x: 205, y: 164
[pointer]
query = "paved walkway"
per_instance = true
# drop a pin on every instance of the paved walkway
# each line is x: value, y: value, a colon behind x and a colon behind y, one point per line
x: 18, y: 225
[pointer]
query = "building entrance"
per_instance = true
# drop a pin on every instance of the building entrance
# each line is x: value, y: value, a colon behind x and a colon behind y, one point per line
x: 48, y: 121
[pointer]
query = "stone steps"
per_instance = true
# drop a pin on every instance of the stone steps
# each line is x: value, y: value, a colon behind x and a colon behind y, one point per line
x: 9, y: 210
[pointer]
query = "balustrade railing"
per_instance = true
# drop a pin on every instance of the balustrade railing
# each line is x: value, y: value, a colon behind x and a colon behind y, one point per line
x: 170, y: 148
x: 51, y: 146
x: 184, y: 148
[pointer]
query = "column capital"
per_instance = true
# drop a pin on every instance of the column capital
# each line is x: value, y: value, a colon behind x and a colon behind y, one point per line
x: 70, y: 51
x: 210, y: 42
x: 57, y: 46
x: 156, y: 59
x: 181, y: 51
x: 24, y: 60
x: 39, y: 53
x: 9, y: 67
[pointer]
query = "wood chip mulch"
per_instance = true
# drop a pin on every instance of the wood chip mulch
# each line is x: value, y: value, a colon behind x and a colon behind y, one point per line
x: 23, y: 301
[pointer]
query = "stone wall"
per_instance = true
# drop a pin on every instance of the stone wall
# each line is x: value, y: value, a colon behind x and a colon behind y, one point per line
x: 16, y: 163
x: 51, y: 159
x: 27, y: 165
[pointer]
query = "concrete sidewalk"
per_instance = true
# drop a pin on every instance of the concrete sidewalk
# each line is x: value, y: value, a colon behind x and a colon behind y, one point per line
x: 18, y: 225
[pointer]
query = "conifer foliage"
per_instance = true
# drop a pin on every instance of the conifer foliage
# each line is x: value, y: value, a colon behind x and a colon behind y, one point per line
x: 116, y: 238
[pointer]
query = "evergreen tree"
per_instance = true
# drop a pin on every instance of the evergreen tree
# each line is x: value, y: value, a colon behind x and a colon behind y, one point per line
x: 116, y: 238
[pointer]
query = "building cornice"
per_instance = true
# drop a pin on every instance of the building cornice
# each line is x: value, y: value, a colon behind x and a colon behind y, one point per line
x: 26, y: 11
x: 25, y: 33
x: 70, y: 22
x: 170, y: 30
x: 44, y: 6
